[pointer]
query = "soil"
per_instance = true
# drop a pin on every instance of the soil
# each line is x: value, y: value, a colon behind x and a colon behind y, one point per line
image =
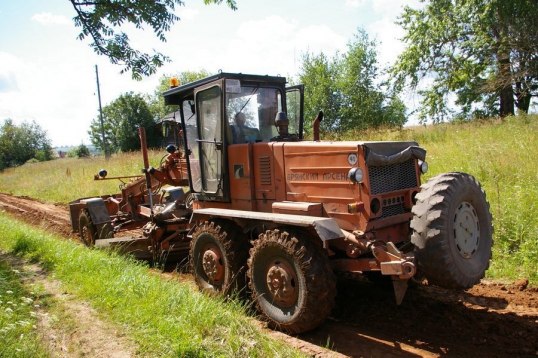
x: 489, y: 320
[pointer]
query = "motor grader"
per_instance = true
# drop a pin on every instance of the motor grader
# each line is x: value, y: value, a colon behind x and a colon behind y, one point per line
x: 276, y: 216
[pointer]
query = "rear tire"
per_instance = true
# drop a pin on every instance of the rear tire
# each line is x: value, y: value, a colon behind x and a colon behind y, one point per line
x: 452, y: 230
x: 218, y: 257
x: 87, y: 230
x: 292, y: 283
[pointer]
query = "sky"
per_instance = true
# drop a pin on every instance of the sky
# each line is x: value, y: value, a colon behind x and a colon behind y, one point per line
x: 48, y: 76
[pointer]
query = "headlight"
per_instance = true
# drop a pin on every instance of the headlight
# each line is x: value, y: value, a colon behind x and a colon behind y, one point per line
x: 355, y: 175
x: 423, y: 166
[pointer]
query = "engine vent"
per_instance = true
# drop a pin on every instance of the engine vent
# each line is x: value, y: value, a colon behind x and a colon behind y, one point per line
x: 265, y: 170
x: 392, y: 210
x: 387, y: 178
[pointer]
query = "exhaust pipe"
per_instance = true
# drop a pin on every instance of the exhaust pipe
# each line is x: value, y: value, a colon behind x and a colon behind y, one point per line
x: 317, y: 121
x: 143, y: 145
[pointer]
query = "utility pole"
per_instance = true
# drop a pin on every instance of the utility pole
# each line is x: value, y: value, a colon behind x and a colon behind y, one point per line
x: 107, y: 155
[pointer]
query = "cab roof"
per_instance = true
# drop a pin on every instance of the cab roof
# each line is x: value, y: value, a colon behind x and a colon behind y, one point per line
x: 175, y: 95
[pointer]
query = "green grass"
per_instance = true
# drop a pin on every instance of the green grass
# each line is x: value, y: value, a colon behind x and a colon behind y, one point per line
x: 62, y: 181
x: 163, y: 317
x: 18, y: 330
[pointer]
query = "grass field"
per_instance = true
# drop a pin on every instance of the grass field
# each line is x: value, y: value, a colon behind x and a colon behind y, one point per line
x: 500, y: 154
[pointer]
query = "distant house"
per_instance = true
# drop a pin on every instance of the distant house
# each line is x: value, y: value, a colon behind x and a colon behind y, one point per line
x: 59, y: 153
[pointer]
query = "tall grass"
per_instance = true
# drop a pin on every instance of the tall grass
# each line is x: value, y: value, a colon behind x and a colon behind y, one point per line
x: 64, y: 180
x: 163, y: 317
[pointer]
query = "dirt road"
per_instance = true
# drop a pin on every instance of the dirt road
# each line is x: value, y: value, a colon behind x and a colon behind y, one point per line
x: 489, y: 320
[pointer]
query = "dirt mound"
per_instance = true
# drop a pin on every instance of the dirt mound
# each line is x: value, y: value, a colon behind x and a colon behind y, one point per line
x: 489, y: 320
x: 53, y: 217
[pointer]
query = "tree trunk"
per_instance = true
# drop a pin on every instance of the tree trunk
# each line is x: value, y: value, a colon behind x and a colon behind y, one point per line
x: 506, y: 107
x: 506, y: 91
x: 524, y: 97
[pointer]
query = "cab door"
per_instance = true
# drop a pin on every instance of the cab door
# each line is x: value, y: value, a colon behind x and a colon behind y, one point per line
x: 209, y: 149
x: 295, y: 108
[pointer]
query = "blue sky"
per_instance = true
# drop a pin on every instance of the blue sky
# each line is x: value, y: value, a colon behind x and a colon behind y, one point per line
x: 47, y: 75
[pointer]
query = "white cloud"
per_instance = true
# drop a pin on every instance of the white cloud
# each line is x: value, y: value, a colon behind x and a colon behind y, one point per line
x: 388, y: 8
x: 274, y: 45
x: 8, y: 66
x: 320, y: 38
x: 388, y: 36
x: 46, y: 18
x: 187, y: 14
x: 354, y: 3
x: 8, y: 82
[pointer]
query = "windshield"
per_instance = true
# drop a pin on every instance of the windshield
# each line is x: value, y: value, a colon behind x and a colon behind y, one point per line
x: 251, y: 113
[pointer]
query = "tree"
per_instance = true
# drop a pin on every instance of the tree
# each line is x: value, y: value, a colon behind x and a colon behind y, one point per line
x: 20, y: 143
x: 366, y: 100
x: 480, y: 54
x: 156, y: 100
x: 121, y: 119
x: 348, y: 88
x: 99, y: 19
x: 319, y: 74
x: 82, y: 151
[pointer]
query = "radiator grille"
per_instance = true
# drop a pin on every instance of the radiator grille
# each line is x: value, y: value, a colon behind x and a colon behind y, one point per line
x: 392, y: 210
x: 387, y: 178
x: 265, y: 170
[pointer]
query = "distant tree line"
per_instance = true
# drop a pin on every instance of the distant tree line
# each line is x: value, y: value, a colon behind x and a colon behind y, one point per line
x: 21, y: 143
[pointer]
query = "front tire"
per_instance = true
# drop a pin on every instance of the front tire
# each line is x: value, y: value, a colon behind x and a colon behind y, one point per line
x: 452, y: 230
x: 292, y: 283
x: 218, y: 257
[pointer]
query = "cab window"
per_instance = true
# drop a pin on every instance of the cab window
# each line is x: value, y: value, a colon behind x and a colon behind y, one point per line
x: 251, y: 112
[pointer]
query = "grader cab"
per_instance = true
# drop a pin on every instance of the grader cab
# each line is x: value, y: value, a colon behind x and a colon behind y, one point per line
x: 269, y: 213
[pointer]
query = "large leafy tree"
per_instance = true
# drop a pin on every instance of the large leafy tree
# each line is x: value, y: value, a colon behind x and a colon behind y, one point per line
x: 20, y: 143
x: 470, y: 58
x: 349, y: 90
x: 121, y: 119
x: 101, y: 19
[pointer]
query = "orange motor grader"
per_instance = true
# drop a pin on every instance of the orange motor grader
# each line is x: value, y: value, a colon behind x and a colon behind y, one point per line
x: 276, y: 216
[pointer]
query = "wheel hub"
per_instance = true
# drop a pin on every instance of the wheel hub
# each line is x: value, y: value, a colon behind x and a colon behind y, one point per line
x: 212, y: 264
x: 281, y: 283
x: 466, y: 230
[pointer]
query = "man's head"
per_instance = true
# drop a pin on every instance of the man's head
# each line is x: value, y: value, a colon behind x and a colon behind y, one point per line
x: 240, y: 119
